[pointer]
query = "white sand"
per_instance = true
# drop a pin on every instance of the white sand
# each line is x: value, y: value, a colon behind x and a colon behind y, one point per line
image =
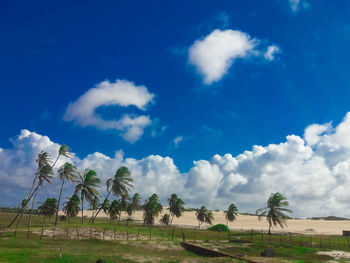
x: 245, y: 222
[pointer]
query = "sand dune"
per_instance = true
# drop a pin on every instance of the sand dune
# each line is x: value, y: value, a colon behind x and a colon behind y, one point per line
x: 245, y: 222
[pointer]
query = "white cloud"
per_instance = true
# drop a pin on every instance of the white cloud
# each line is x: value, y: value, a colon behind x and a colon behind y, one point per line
x: 177, y: 140
x: 313, y: 172
x: 271, y: 52
x: 215, y: 53
x: 122, y: 93
x: 297, y: 5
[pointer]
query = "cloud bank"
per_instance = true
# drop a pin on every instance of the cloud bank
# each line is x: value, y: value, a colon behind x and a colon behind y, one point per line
x: 121, y: 93
x: 312, y: 171
x: 215, y: 53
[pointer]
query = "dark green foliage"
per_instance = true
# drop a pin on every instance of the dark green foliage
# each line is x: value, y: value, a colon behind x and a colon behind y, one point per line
x: 63, y: 218
x: 151, y: 209
x: 219, y: 227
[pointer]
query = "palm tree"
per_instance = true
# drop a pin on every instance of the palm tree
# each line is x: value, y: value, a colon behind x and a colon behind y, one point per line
x: 67, y: 172
x: 275, y: 211
x: 151, y: 209
x: 176, y: 207
x: 136, y: 201
x: 105, y: 206
x: 48, y: 208
x: 86, y: 186
x: 165, y: 220
x: 231, y: 214
x: 94, y: 205
x: 71, y: 207
x: 44, y: 173
x: 204, y: 215
x: 115, y: 210
x: 119, y: 185
x: 64, y: 150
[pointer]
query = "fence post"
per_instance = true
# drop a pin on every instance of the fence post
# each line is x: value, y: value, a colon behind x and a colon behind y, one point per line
x: 138, y: 232
x: 219, y: 235
x: 114, y: 233
x: 207, y: 235
x: 183, y: 236
x: 127, y: 232
x: 229, y: 236
x: 262, y: 235
x: 76, y: 229
x: 290, y: 238
x: 348, y: 243
x: 42, y: 232
x: 280, y: 238
x: 251, y: 236
x: 172, y: 234
x: 104, y: 231
x: 311, y: 241
x: 329, y: 243
x: 194, y: 235
x: 161, y: 233
x: 66, y: 232
x: 150, y: 233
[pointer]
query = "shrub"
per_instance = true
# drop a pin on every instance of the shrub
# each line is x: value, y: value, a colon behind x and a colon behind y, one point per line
x: 219, y: 227
x: 63, y: 218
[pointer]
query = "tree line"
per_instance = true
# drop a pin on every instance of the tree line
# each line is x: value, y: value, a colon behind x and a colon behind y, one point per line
x: 87, y: 182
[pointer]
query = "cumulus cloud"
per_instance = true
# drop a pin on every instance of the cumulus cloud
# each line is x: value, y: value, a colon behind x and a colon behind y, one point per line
x: 312, y: 171
x: 215, y: 53
x: 297, y: 5
x: 121, y: 93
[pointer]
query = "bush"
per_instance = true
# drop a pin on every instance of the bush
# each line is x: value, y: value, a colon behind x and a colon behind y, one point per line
x: 219, y: 227
x: 63, y: 218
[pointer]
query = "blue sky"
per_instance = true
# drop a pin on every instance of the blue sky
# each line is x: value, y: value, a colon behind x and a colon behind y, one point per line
x: 51, y: 54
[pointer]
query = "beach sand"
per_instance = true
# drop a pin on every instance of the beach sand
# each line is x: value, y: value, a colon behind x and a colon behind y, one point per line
x: 246, y: 222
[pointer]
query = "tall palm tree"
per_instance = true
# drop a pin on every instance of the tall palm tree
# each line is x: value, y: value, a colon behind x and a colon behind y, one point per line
x: 71, y: 207
x: 86, y: 186
x: 136, y: 201
x: 151, y: 209
x: 64, y: 150
x: 176, y: 207
x: 44, y: 173
x: 48, y: 208
x: 231, y: 214
x: 119, y: 185
x: 67, y: 172
x: 275, y: 211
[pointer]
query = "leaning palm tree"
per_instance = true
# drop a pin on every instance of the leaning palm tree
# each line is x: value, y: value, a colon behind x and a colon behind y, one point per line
x: 44, y: 173
x: 136, y: 201
x: 94, y: 205
x: 275, y: 211
x: 119, y: 185
x: 204, y: 215
x: 67, y: 172
x: 86, y: 186
x: 231, y: 214
x: 71, y: 207
x: 176, y: 207
x: 165, y: 220
x: 65, y: 151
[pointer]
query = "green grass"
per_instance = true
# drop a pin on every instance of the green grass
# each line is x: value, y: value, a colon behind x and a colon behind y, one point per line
x: 159, y: 247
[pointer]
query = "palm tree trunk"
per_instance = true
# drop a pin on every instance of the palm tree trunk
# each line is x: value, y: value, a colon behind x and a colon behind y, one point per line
x: 98, y: 211
x: 23, y: 207
x: 58, y: 203
x: 227, y: 222
x: 31, y: 212
x: 82, y: 209
x: 55, y: 161
x: 270, y: 229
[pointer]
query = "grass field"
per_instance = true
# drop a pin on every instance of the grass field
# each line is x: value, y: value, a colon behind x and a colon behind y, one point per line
x: 134, y: 243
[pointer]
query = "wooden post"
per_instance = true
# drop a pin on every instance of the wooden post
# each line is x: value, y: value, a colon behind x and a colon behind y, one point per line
x: 66, y: 232
x: 251, y: 236
x: 150, y: 233
x: 329, y: 243
x: 127, y: 233
x: 138, y: 232
x: 104, y: 231
x: 42, y: 232
x: 53, y: 233
x: 290, y: 238
x: 183, y: 236
x: 348, y: 243
x: 280, y: 238
x: 161, y: 233
x: 194, y: 235
x: 229, y: 236
x: 90, y: 232
x: 76, y: 229
x: 172, y: 234
x: 262, y: 235
x: 207, y: 235
x: 311, y: 241
x: 114, y: 233
x: 219, y: 235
